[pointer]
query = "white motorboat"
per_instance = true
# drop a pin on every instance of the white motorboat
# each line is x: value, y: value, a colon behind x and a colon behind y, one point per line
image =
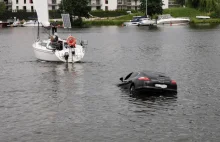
x: 203, y: 17
x: 168, y: 19
x: 134, y: 22
x: 30, y: 23
x: 15, y: 23
x: 60, y: 51
x: 146, y: 22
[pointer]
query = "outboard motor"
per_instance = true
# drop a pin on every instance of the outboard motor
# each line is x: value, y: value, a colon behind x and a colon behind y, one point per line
x: 66, y: 56
x: 84, y: 42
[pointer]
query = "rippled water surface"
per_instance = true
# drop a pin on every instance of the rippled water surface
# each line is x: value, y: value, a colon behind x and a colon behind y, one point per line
x: 58, y: 102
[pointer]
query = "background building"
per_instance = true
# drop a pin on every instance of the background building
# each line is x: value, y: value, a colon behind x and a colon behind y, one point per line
x: 166, y: 4
x: 128, y: 4
x: 94, y: 4
x: 28, y: 5
x: 22, y: 5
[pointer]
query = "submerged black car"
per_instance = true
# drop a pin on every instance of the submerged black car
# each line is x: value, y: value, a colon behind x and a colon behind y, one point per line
x: 148, y: 81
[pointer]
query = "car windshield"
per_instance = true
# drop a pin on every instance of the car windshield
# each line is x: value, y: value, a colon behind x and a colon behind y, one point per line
x: 131, y: 75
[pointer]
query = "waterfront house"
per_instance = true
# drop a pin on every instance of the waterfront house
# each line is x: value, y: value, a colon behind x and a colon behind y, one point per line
x: 94, y: 4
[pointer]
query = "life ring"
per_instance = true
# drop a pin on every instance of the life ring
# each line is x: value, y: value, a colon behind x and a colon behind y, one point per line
x: 71, y: 41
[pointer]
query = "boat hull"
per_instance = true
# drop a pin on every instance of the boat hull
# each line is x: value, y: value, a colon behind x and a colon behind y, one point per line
x: 173, y: 21
x: 146, y: 23
x: 45, y: 53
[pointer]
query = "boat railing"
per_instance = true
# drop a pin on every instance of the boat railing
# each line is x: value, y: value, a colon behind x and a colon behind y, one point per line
x: 184, y: 17
x: 168, y: 16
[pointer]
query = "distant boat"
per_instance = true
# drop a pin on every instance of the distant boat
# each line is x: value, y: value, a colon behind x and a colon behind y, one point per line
x: 202, y: 17
x: 3, y: 24
x: 146, y: 22
x: 30, y: 23
x: 168, y: 19
x: 135, y: 21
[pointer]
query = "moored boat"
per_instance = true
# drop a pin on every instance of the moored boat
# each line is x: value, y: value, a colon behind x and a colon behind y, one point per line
x: 168, y: 19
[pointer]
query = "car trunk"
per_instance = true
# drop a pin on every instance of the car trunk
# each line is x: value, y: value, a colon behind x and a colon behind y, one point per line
x: 158, y: 77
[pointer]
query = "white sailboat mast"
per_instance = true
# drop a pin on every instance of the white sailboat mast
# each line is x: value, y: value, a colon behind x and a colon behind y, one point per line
x: 41, y: 7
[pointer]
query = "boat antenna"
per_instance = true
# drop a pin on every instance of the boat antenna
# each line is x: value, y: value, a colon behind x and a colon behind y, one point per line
x: 146, y: 7
x: 38, y: 30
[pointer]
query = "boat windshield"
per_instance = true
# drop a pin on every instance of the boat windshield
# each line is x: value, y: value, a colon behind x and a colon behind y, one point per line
x: 137, y: 19
x: 165, y: 16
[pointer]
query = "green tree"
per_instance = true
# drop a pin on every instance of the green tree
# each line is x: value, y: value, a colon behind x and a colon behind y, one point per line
x: 75, y: 8
x: 2, y: 8
x: 193, y: 3
x: 153, y: 7
x: 204, y: 5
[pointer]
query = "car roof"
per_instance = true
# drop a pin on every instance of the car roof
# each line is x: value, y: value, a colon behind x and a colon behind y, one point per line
x: 152, y: 74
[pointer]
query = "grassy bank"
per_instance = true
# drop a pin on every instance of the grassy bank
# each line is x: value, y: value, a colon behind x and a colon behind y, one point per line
x: 118, y: 21
x: 104, y: 22
x: 184, y: 12
x: 175, y: 12
x: 191, y: 13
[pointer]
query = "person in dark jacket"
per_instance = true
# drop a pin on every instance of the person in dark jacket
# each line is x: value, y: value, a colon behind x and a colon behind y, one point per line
x: 54, y: 26
x: 55, y: 42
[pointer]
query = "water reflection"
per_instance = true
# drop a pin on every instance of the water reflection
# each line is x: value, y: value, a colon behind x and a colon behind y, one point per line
x: 151, y: 100
x: 151, y: 28
x: 59, y: 78
x: 204, y: 26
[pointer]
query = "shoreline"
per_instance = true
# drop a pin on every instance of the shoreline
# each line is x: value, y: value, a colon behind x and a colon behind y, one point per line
x: 120, y: 22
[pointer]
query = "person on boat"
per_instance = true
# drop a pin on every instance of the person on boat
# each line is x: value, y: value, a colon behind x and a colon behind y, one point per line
x: 54, y: 26
x: 55, y: 37
x: 55, y: 42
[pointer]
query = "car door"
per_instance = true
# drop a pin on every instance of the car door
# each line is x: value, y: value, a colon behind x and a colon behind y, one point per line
x: 125, y: 81
x: 128, y: 80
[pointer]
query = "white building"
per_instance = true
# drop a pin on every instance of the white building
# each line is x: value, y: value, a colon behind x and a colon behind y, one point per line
x: 28, y: 5
x: 166, y: 4
x: 118, y: 4
x: 94, y: 4
x: 22, y: 5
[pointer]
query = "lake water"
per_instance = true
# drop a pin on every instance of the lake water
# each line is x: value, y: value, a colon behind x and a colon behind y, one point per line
x: 58, y: 102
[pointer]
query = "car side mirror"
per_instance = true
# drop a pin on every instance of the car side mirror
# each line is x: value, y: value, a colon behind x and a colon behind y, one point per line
x: 121, y: 79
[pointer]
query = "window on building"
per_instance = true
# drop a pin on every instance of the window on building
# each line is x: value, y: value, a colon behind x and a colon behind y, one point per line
x: 119, y: 1
x: 31, y: 1
x: 106, y: 1
x: 97, y: 2
x: 98, y: 7
x: 53, y: 7
x: 24, y: 1
x: 32, y: 8
x: 106, y: 8
x: 17, y: 7
x: 24, y: 8
x: 16, y: 1
x: 54, y: 1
